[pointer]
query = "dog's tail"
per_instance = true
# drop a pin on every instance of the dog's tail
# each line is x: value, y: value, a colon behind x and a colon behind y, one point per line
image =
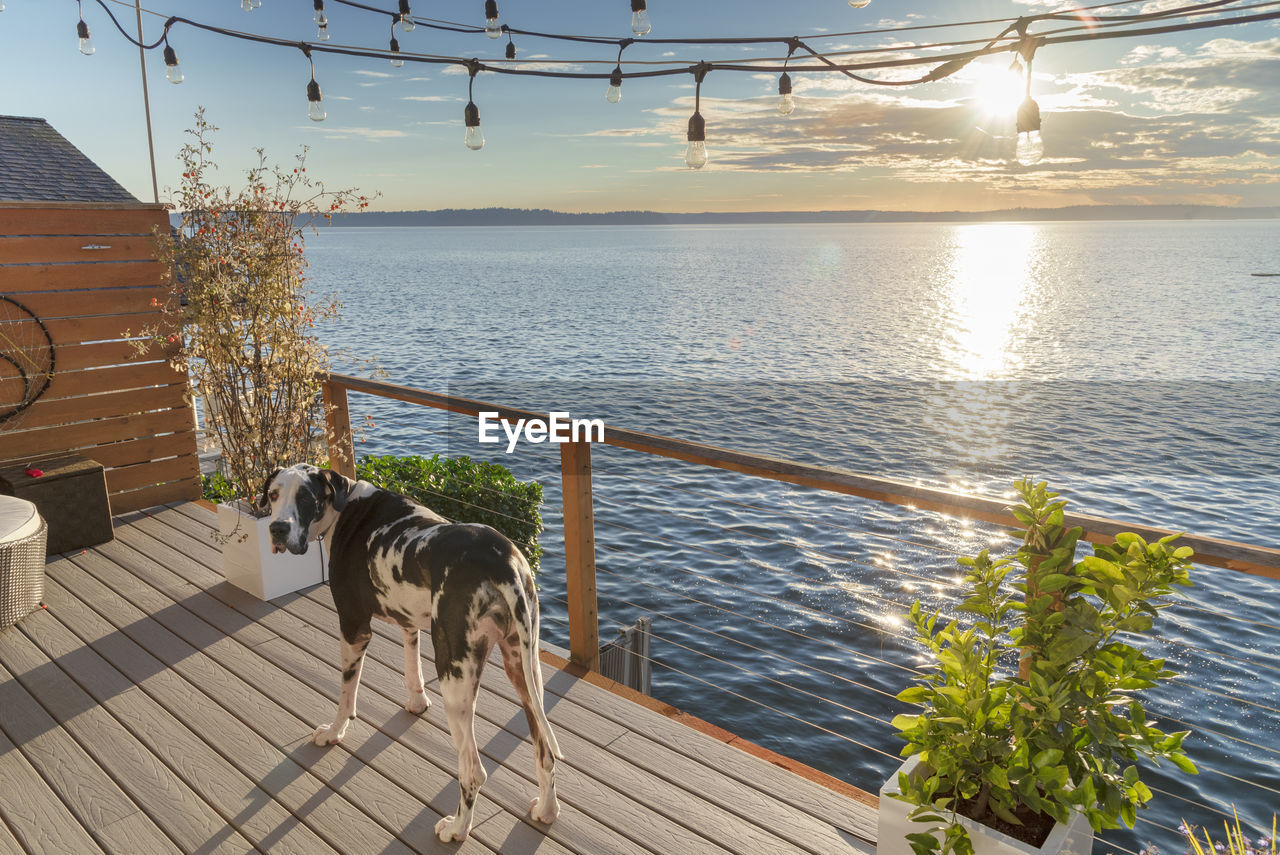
x: 522, y: 599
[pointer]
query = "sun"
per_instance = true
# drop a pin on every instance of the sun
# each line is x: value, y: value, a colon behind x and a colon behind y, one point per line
x: 996, y: 89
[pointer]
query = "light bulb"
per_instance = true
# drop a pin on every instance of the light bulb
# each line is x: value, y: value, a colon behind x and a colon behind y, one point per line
x: 474, y: 139
x: 254, y: 4
x: 406, y: 17
x: 318, y: 14
x: 786, y: 104
x: 492, y: 27
x: 246, y: 5
x: 171, y: 68
x: 396, y: 62
x: 859, y: 4
x: 1030, y: 148
x: 86, y: 43
x: 614, y: 93
x: 640, y: 17
x: 695, y: 155
x: 315, y: 108
x: 322, y: 31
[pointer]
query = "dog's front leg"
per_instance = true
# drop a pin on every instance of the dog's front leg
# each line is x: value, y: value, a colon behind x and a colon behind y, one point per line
x: 413, y: 682
x: 352, y: 663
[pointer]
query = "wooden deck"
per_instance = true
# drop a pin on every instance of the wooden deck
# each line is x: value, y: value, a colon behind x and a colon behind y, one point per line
x: 154, y: 708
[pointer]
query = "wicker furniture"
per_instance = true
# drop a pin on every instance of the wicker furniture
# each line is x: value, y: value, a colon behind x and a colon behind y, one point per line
x: 71, y: 495
x: 22, y: 538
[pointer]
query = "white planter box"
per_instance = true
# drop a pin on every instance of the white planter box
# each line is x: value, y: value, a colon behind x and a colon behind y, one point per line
x: 249, y: 564
x: 893, y: 826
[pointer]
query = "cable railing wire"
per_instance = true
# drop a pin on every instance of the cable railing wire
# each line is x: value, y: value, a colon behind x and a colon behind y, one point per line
x: 756, y: 674
x: 756, y: 593
x: 666, y: 592
x: 776, y: 512
x: 759, y: 703
x: 860, y: 563
x: 770, y: 653
x: 772, y: 541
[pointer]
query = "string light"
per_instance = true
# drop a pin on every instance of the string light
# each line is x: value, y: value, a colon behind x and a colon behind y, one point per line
x: 614, y: 93
x: 406, y: 17
x: 82, y: 31
x: 322, y: 21
x: 171, y: 69
x: 315, y: 109
x: 396, y: 61
x: 787, y: 104
x: 473, y: 139
x: 492, y: 27
x: 695, y: 154
x: 640, y: 18
x: 511, y: 46
x: 1029, y: 149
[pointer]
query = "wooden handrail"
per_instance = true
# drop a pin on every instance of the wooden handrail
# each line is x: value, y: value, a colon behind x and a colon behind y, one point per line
x: 1217, y: 552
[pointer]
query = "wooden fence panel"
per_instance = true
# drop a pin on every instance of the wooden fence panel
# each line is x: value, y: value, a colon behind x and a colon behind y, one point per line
x: 88, y: 272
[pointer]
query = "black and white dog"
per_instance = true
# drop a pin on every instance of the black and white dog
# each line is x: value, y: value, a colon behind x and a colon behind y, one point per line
x: 392, y: 559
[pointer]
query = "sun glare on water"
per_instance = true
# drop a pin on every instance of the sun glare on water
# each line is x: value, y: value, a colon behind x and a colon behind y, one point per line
x: 989, y: 288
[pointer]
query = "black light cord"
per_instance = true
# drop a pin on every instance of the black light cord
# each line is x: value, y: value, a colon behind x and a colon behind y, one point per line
x: 945, y: 65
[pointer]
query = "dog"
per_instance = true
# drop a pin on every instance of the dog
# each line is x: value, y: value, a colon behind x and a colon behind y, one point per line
x: 394, y: 560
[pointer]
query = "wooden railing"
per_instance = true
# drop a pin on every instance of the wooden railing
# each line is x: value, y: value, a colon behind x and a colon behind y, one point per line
x: 579, y: 537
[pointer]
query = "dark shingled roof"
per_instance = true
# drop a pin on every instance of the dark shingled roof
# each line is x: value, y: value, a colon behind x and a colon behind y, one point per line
x: 38, y: 164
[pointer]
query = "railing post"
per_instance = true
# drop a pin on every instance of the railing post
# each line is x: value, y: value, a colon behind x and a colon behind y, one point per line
x: 337, y: 422
x: 580, y: 553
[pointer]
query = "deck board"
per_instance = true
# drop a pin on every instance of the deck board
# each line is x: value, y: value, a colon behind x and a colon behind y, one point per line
x: 154, y: 708
x: 88, y: 792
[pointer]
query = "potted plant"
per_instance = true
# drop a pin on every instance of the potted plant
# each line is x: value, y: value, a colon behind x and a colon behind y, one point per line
x: 1031, y: 730
x: 246, y: 321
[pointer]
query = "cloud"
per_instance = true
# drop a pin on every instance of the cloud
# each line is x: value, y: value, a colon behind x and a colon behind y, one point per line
x: 370, y: 134
x: 1163, y: 124
x: 430, y: 98
x: 1221, y: 75
x: 364, y: 72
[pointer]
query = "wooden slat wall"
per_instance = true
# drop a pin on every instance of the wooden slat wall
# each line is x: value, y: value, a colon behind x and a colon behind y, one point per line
x: 89, y: 273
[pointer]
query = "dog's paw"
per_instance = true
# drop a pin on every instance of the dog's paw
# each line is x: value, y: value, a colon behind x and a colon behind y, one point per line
x: 547, y: 814
x: 418, y: 703
x: 325, y: 735
x: 450, y: 829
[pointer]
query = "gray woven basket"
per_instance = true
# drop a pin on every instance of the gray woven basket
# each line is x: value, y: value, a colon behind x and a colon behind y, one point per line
x: 22, y: 576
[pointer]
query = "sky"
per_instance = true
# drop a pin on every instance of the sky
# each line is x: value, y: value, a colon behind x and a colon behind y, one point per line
x: 1190, y: 118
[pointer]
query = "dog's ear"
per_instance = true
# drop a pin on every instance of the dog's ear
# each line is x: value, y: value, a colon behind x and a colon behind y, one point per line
x: 264, y: 503
x: 337, y: 489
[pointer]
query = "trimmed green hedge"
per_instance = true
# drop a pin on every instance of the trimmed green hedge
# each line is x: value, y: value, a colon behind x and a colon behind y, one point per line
x: 460, y: 489
x: 465, y: 490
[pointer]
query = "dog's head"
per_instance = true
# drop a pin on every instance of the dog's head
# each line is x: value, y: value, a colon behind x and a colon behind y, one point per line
x: 301, y: 502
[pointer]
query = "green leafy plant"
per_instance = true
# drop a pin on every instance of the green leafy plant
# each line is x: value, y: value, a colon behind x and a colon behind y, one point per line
x: 1026, y: 720
x: 240, y: 311
x: 465, y: 490
x: 215, y: 487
